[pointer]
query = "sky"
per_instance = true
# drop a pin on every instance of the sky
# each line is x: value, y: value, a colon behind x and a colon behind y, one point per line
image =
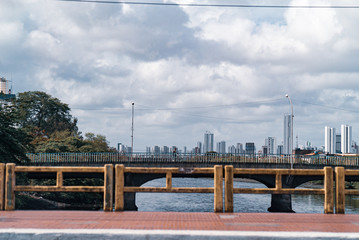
x: 188, y: 69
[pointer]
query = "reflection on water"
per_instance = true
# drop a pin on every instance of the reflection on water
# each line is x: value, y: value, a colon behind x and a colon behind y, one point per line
x: 203, y: 202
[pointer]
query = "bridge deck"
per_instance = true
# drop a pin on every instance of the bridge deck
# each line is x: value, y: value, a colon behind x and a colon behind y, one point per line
x: 157, y: 225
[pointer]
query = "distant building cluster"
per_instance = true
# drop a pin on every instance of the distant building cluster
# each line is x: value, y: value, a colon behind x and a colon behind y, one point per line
x: 341, y: 143
x: 334, y: 143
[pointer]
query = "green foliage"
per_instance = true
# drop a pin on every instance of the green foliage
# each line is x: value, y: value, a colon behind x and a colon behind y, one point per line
x: 14, y: 143
x: 66, y: 141
x: 42, y: 115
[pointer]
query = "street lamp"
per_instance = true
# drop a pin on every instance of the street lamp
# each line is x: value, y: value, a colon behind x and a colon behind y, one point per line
x: 291, y: 129
x: 133, y: 113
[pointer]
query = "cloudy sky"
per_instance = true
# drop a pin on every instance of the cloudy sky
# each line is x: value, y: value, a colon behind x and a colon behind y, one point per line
x: 188, y: 69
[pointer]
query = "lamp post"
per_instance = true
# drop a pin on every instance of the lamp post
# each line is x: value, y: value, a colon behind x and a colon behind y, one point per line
x: 133, y: 113
x: 291, y: 129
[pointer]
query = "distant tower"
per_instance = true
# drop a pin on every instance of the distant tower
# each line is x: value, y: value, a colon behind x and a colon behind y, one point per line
x: 239, y: 148
x: 346, y: 138
x: 287, y: 141
x: 250, y: 148
x: 330, y: 140
x: 270, y: 142
x: 199, y: 147
x: 4, y: 86
x: 221, y: 147
x: 208, y: 142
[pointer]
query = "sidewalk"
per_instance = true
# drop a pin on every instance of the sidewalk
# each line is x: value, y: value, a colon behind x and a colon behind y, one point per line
x: 174, y: 225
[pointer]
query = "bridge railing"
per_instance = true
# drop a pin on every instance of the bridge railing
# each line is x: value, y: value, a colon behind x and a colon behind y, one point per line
x: 341, y: 191
x: 123, y: 158
x: 327, y: 191
x: 217, y: 188
x: 11, y: 187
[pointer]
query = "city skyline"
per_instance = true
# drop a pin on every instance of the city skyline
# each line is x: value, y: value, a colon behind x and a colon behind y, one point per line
x: 333, y: 144
x: 187, y: 69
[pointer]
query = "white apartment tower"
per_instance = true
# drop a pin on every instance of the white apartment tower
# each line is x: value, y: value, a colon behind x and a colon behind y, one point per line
x: 221, y: 147
x: 346, y: 138
x: 330, y: 140
x: 208, y: 142
x: 287, y: 141
x: 270, y: 142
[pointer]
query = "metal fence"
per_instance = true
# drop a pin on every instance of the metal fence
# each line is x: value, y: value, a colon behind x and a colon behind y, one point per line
x: 115, y: 157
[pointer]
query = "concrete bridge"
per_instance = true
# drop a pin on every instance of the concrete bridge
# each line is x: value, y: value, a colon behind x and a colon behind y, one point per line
x: 186, y: 168
x: 192, y: 160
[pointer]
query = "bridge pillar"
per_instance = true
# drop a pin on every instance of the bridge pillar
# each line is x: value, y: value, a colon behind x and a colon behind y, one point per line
x: 282, y: 202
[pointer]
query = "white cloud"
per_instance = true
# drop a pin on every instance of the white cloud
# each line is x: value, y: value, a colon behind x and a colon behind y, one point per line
x: 215, y: 69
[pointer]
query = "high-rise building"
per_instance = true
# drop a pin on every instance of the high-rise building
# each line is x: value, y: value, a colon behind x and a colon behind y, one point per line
x: 250, y: 148
x: 338, y: 143
x: 165, y: 150
x: 280, y: 150
x: 330, y: 140
x: 148, y: 150
x: 156, y: 150
x: 221, y: 147
x: 232, y: 150
x: 239, y: 148
x: 208, y: 142
x: 265, y: 150
x: 288, y: 138
x: 346, y: 138
x: 270, y: 142
x: 199, y: 147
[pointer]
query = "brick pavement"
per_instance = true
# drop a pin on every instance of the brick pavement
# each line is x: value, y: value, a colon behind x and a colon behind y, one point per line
x: 87, y: 221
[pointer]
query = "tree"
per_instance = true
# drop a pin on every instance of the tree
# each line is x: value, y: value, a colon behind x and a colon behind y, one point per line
x: 14, y: 143
x: 95, y: 143
x: 40, y: 114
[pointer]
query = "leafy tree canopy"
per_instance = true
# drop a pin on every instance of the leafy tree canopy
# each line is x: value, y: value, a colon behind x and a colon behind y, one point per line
x: 64, y: 141
x: 14, y: 143
x: 40, y: 114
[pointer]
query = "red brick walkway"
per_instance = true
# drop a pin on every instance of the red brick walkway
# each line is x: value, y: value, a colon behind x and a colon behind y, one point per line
x: 179, y: 221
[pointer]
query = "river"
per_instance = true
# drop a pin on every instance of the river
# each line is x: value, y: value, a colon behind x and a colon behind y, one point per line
x: 203, y: 202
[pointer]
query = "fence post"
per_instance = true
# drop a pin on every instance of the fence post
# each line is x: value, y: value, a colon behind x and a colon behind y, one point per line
x: 218, y: 188
x: 108, y: 188
x: 119, y: 188
x: 340, y: 190
x: 2, y: 191
x: 228, y: 188
x: 10, y: 187
x: 329, y: 192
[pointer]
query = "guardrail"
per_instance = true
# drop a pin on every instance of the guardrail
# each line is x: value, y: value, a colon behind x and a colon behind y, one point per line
x: 8, y: 185
x: 327, y: 191
x: 340, y: 174
x: 11, y: 187
x: 217, y: 189
x: 123, y: 158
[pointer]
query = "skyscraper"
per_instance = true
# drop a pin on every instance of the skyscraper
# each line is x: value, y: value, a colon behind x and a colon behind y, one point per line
x: 221, y: 147
x: 346, y: 138
x: 338, y: 144
x: 287, y: 141
x: 270, y: 142
x: 250, y: 148
x: 239, y: 148
x: 199, y: 147
x: 330, y: 140
x: 208, y: 142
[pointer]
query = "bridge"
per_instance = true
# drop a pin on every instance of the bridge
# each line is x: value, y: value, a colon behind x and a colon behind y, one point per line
x: 272, y: 171
x: 192, y: 160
